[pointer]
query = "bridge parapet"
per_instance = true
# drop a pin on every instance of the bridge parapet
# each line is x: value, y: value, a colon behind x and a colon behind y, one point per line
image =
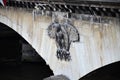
x: 92, y: 7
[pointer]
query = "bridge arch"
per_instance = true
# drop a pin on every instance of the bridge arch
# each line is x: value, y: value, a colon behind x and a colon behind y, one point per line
x: 25, y: 27
x: 18, y: 47
x: 108, y: 72
x: 98, y: 46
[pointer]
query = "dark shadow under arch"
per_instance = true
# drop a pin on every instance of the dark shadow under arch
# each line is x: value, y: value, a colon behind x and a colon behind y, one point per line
x: 108, y: 72
x: 18, y: 60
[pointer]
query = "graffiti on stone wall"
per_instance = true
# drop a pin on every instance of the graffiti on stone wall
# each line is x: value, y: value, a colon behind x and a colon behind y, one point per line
x: 63, y: 33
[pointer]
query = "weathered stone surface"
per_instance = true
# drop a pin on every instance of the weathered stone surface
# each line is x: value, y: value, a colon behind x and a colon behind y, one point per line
x: 99, y: 42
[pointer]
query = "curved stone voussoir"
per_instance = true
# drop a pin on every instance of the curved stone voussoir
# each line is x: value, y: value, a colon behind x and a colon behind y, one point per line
x: 58, y: 77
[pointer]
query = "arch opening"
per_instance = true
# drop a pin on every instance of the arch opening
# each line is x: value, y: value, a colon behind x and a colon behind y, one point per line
x: 18, y: 60
x: 108, y: 72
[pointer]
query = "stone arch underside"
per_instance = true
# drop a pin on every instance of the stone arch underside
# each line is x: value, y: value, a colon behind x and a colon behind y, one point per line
x: 99, y: 43
x: 107, y: 72
x: 17, y: 57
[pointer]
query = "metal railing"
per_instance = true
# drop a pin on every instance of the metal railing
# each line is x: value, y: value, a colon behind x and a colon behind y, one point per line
x: 93, y: 7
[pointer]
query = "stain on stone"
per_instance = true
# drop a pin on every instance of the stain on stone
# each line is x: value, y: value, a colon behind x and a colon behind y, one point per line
x: 64, y: 34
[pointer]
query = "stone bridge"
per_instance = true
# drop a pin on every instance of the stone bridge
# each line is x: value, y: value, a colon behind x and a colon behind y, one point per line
x: 99, y: 43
